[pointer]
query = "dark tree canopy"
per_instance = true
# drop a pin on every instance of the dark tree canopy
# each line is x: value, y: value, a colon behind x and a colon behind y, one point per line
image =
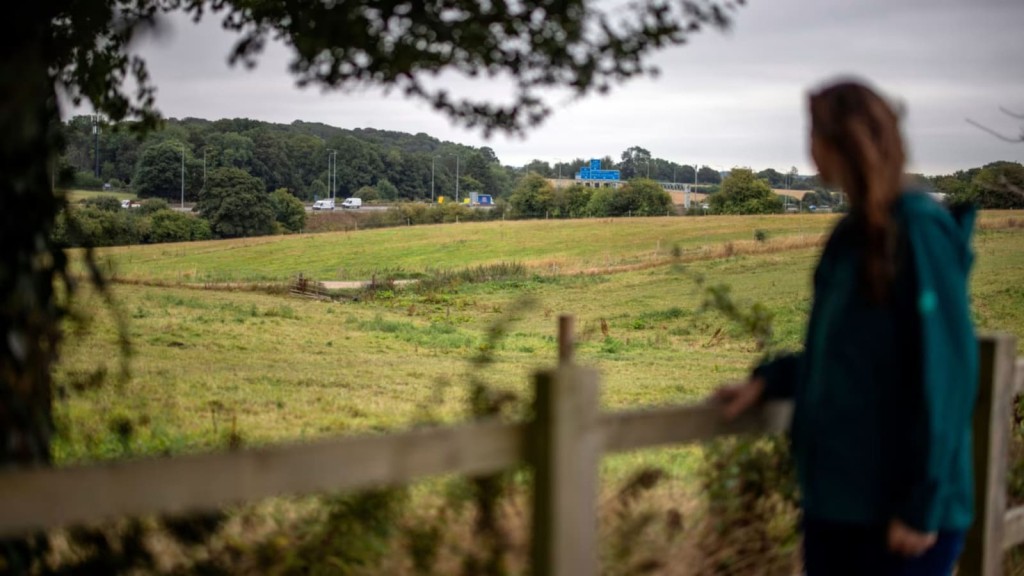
x: 639, y: 197
x: 532, y: 198
x: 289, y: 211
x: 166, y: 170
x: 236, y: 205
x: 744, y: 193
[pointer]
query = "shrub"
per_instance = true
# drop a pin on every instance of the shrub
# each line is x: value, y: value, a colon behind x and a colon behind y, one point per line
x: 86, y: 179
x: 170, y: 226
x: 105, y: 203
x: 743, y: 193
x: 152, y: 205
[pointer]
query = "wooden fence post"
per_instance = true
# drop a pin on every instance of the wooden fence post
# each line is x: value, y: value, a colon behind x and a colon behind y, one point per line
x: 565, y: 451
x: 983, y: 550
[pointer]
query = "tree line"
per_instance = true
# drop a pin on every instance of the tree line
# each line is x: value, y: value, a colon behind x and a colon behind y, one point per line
x: 310, y: 160
x: 244, y: 174
x: 313, y: 160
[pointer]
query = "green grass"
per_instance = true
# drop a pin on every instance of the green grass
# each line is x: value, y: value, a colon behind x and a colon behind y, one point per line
x: 75, y: 196
x: 212, y: 368
x: 549, y: 245
x: 209, y: 365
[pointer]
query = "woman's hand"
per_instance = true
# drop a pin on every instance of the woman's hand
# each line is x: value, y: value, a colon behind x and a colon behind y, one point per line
x: 906, y: 541
x: 738, y: 398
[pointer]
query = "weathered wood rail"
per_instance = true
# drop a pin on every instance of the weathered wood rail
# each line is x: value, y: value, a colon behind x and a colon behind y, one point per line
x: 563, y: 445
x: 309, y: 288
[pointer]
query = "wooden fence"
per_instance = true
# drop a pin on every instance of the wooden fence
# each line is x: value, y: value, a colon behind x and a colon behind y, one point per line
x: 563, y: 445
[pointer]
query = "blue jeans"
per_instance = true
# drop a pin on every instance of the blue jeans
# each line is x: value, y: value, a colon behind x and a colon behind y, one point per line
x: 841, y: 549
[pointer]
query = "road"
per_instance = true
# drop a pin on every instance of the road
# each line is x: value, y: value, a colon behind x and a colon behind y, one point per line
x: 366, y: 208
x: 355, y: 284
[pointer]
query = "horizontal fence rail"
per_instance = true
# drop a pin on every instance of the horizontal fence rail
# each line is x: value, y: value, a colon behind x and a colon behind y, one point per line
x: 1018, y: 384
x: 46, y: 498
x: 53, y: 497
x: 623, y: 431
x: 1013, y: 527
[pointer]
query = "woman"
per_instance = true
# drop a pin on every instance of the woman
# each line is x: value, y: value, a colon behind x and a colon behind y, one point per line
x: 885, y: 386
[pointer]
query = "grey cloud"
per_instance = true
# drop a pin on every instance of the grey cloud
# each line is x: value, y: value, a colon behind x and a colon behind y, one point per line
x: 723, y: 99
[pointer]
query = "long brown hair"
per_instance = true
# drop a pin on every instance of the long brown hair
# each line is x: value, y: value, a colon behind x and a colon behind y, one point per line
x: 864, y: 130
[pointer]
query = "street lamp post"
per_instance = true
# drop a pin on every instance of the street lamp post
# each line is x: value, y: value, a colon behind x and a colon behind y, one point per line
x: 332, y: 169
x: 432, y: 158
x: 96, y: 137
x: 182, y: 176
x: 205, y: 150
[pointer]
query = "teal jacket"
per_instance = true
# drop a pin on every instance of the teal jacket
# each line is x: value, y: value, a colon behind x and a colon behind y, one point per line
x: 884, y: 393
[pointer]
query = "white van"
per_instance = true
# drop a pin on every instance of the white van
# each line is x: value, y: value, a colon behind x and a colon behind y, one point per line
x: 352, y: 203
x: 323, y: 204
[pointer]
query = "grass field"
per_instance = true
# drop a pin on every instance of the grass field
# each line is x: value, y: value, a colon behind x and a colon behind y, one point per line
x: 275, y: 367
x: 211, y: 369
x: 80, y: 195
x: 563, y: 246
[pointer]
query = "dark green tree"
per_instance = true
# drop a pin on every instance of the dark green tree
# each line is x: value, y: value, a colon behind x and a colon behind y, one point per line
x: 107, y: 203
x: 236, y: 205
x: 571, y: 201
x: 539, y: 167
x: 289, y: 211
x: 358, y: 163
x: 645, y: 197
x: 999, y: 185
x: 478, y: 167
x: 639, y: 197
x: 271, y: 162
x: 153, y: 205
x: 636, y: 162
x: 171, y: 226
x: 386, y: 190
x: 708, y: 175
x: 159, y: 172
x: 367, y: 194
x: 743, y: 192
x: 685, y: 174
x: 532, y: 198
x: 773, y: 177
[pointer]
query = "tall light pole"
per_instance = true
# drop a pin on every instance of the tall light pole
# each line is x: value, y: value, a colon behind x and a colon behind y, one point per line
x: 205, y: 150
x: 332, y: 168
x: 456, y: 176
x: 96, y: 136
x: 182, y: 176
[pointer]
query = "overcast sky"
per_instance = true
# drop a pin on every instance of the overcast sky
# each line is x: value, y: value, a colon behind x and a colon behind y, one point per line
x: 734, y: 99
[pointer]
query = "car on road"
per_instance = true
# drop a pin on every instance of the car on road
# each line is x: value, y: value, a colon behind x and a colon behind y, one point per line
x: 323, y: 205
x: 352, y: 203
